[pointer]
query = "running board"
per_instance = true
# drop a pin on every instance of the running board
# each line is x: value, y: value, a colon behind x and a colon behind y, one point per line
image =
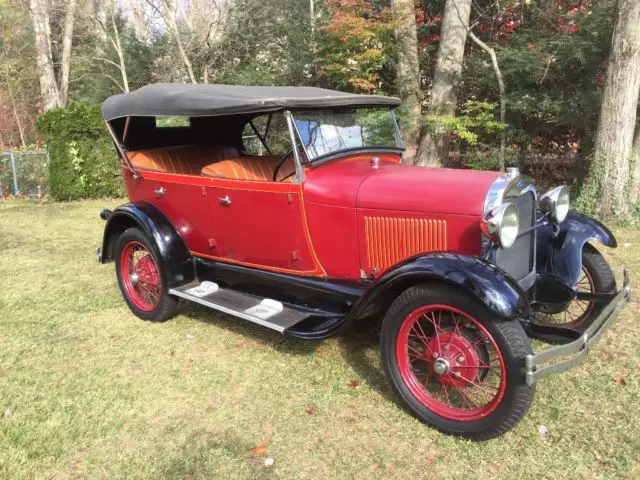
x: 263, y: 311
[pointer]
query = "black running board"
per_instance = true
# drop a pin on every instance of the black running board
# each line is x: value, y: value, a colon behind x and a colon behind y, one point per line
x: 262, y: 311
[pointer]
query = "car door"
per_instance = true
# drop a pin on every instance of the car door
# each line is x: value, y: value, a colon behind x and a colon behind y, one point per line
x: 261, y: 224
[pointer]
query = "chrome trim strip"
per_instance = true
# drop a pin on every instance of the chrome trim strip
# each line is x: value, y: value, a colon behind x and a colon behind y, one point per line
x: 506, y: 186
x: 541, y: 364
x: 293, y: 131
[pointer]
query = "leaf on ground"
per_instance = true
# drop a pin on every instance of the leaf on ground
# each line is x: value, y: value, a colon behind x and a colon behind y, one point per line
x: 353, y: 383
x: 542, y: 430
x: 190, y: 337
x: 621, y: 382
x: 311, y: 410
x: 268, y: 462
x: 172, y: 353
x: 8, y: 412
x: 259, y: 450
x: 627, y: 244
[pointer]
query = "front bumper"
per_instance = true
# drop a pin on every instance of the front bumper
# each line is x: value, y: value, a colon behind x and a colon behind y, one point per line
x: 562, y: 358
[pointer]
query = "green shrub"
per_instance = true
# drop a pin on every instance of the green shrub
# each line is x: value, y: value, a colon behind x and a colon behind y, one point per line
x: 83, y: 160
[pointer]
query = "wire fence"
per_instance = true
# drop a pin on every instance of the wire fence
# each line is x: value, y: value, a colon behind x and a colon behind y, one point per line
x: 23, y: 174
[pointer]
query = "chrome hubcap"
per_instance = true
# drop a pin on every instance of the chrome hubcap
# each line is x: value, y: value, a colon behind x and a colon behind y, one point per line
x: 134, y: 278
x: 441, y: 366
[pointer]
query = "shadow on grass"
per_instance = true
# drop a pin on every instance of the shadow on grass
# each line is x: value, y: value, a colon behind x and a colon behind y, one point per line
x: 355, y: 342
x: 360, y: 347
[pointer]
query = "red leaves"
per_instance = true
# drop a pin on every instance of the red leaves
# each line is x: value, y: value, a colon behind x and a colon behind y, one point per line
x: 353, y: 384
x: 259, y: 450
x: 620, y: 381
x: 311, y: 410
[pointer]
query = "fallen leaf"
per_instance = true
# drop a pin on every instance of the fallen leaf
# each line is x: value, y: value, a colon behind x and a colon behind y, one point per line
x: 621, y: 382
x: 542, y: 430
x: 311, y: 410
x: 627, y: 244
x: 259, y: 450
x: 353, y: 383
x: 8, y: 412
x: 190, y: 337
x: 172, y: 353
x: 268, y: 462
x: 114, y: 337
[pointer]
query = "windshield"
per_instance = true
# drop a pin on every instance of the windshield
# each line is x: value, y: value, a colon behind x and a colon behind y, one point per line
x: 328, y: 131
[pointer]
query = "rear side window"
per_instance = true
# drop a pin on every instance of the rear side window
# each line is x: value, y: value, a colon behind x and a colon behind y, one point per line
x: 274, y: 132
x: 173, y: 122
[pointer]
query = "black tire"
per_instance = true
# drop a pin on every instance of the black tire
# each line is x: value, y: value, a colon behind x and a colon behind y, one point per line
x: 603, y: 281
x: 510, y: 339
x: 166, y: 306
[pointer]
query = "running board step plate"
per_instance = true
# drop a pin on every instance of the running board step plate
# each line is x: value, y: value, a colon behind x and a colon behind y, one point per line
x: 263, y: 311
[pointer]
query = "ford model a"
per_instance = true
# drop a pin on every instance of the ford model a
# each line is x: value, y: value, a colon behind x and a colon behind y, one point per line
x: 289, y: 207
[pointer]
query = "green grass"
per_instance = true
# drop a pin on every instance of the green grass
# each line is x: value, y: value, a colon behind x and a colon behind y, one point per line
x: 89, y: 391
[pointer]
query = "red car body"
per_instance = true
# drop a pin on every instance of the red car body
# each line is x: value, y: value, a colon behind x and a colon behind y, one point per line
x: 463, y: 265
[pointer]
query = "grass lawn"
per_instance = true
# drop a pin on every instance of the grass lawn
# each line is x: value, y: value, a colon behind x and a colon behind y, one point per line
x: 89, y: 391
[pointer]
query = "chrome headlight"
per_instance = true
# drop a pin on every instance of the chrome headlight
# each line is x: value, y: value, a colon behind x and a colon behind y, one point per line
x: 555, y: 203
x: 501, y: 224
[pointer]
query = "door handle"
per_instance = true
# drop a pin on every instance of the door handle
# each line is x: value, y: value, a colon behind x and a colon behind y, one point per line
x: 226, y: 200
x: 160, y: 192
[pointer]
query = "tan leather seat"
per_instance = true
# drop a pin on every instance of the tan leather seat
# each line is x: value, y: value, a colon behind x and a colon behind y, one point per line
x: 183, y: 159
x: 251, y: 167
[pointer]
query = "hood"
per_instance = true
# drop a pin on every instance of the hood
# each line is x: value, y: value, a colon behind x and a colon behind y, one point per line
x: 433, y: 190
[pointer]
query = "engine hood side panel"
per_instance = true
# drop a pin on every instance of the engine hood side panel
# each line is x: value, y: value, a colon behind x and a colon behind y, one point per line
x: 428, y: 190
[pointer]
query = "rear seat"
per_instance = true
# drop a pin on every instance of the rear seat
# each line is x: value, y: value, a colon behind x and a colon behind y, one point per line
x: 183, y: 159
x: 251, y: 167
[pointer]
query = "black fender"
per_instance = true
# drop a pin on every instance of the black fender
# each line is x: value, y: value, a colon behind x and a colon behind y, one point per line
x: 476, y: 277
x: 559, y: 247
x: 174, y: 256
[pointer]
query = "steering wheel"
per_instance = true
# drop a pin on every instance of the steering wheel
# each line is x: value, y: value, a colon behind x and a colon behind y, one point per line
x: 280, y: 164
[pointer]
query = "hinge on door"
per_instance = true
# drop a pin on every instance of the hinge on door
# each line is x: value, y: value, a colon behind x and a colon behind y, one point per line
x: 212, y: 243
x: 204, y: 191
x: 290, y: 198
x: 295, y: 255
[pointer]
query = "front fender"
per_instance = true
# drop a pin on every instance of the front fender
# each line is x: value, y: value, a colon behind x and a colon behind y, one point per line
x: 559, y: 249
x: 173, y: 254
x: 476, y: 277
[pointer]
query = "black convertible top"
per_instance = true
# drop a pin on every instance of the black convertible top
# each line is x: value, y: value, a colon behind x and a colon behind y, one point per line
x: 191, y: 100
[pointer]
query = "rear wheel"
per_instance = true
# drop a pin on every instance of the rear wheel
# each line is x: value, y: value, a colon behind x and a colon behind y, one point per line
x: 453, y: 365
x: 141, y: 281
x: 596, y: 277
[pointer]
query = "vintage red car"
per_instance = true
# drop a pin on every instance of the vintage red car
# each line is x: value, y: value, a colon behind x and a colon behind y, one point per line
x: 289, y: 207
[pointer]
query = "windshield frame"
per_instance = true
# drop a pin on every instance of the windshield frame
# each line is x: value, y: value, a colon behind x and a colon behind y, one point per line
x: 399, y: 148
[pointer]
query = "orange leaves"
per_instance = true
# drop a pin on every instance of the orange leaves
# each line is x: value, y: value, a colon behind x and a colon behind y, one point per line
x: 259, y: 450
x: 356, y: 39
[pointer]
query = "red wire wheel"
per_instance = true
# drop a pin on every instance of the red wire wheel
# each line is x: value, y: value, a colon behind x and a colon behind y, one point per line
x: 450, y: 363
x: 577, y: 311
x: 454, y: 362
x: 140, y: 276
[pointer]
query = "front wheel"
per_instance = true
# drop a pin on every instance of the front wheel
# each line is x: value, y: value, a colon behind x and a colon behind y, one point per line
x: 454, y: 366
x: 596, y: 277
x: 141, y: 281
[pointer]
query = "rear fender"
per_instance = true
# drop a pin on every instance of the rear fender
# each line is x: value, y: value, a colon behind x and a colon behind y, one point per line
x: 489, y: 285
x: 559, y: 248
x: 173, y: 255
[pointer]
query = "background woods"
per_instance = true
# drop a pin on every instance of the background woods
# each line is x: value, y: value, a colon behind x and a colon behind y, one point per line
x: 548, y: 85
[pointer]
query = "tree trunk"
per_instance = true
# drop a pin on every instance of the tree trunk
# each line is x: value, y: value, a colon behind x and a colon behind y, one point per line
x: 118, y: 46
x: 38, y: 10
x: 100, y: 12
x: 67, y: 42
x: 408, y: 75
x: 609, y: 182
x: 433, y: 149
x: 503, y: 95
x: 170, y: 16
x: 635, y: 186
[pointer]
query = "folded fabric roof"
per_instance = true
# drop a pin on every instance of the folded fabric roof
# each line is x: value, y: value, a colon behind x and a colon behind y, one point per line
x: 200, y: 100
